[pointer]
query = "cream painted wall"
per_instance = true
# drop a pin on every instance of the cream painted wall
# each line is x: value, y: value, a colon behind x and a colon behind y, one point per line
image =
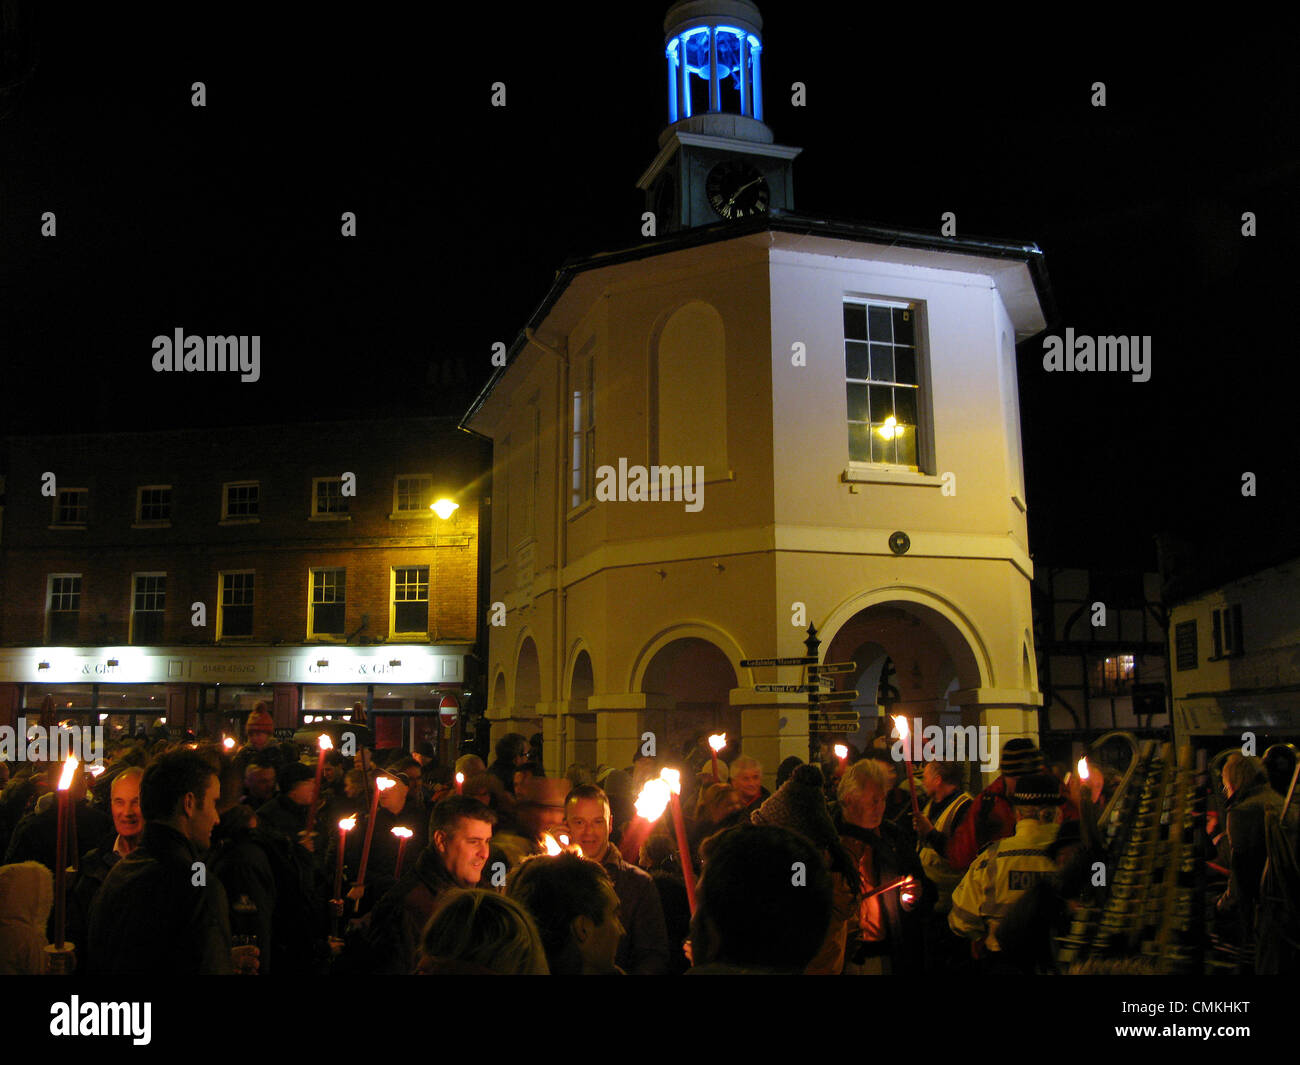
x: 625, y: 577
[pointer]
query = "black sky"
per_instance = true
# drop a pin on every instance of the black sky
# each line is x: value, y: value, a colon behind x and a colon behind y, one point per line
x: 226, y: 219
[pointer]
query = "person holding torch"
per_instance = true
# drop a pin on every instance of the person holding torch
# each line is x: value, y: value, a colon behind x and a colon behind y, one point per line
x: 886, y: 934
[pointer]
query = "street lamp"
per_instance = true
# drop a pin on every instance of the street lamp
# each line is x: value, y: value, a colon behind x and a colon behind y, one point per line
x: 444, y: 508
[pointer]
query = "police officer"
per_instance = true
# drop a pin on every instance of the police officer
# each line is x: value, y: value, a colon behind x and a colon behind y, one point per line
x: 1008, y: 867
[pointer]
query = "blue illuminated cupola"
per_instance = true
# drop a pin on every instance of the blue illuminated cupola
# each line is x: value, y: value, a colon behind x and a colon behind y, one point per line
x: 717, y: 160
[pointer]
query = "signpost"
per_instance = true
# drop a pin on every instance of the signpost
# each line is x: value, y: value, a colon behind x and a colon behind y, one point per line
x: 846, y: 696
x: 786, y: 688
x: 750, y: 663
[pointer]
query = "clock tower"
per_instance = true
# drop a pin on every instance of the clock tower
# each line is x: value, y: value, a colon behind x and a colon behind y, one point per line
x: 717, y: 160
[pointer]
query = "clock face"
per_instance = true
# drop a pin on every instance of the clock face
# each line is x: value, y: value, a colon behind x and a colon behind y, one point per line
x: 736, y: 189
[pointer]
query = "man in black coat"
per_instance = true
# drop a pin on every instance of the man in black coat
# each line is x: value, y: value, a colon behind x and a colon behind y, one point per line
x: 456, y: 856
x: 161, y: 910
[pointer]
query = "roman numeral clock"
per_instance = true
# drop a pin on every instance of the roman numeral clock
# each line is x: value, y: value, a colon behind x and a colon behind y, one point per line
x: 717, y: 160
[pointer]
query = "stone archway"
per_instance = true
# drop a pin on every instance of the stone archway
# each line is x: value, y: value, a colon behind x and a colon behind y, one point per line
x: 692, y: 679
x: 929, y: 656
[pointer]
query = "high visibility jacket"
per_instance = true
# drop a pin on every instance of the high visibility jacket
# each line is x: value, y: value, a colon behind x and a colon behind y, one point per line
x: 937, y: 869
x: 1003, y: 872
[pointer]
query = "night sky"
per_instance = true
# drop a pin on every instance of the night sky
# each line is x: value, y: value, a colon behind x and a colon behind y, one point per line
x: 226, y: 219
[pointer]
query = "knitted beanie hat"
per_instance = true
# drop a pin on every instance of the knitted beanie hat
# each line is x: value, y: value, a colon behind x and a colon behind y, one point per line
x: 1020, y: 756
x: 800, y: 805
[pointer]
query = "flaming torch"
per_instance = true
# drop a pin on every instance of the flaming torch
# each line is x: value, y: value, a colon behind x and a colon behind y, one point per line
x: 674, y: 781
x: 61, y: 851
x: 402, y: 834
x: 900, y: 722
x: 345, y: 826
x: 1087, y: 816
x: 650, y: 806
x: 382, y: 784
x: 228, y: 743
x: 460, y: 783
x: 325, y: 744
x: 716, y: 743
x: 841, y: 751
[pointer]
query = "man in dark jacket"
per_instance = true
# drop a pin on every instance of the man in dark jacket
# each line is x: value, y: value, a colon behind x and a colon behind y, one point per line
x: 643, y: 948
x: 286, y: 814
x: 125, y: 800
x: 161, y: 911
x: 461, y: 829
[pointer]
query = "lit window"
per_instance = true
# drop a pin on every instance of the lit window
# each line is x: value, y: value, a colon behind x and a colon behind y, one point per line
x: 882, y: 378
x: 411, y: 599
x: 1112, y: 675
x: 328, y: 598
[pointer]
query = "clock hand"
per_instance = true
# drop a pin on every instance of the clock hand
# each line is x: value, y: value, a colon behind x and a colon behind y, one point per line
x: 742, y: 189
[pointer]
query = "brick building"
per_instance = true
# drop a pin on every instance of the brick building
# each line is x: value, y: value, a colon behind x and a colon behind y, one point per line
x: 189, y: 574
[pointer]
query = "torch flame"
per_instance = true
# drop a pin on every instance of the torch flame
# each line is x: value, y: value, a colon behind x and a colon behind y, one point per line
x: 326, y: 744
x: 673, y: 779
x: 907, y: 896
x: 900, y: 723
x: 94, y: 770
x: 460, y: 778
x: 348, y: 824
x: 402, y: 833
x: 228, y: 743
x: 653, y: 800
x: 384, y: 783
x: 69, y: 771
x: 841, y: 751
x: 718, y: 741
x: 552, y: 847
x: 1083, y: 768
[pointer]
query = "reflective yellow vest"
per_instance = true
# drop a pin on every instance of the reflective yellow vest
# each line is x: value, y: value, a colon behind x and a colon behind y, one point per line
x: 1004, y: 871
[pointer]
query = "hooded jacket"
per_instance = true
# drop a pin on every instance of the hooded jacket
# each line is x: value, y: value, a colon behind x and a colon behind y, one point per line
x: 26, y: 895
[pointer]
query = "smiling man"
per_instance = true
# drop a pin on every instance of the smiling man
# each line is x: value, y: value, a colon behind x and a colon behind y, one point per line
x: 643, y: 949
x: 460, y: 834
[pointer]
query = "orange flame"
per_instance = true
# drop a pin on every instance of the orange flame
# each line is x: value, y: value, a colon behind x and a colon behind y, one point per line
x: 384, y: 783
x: 673, y: 779
x: 402, y: 833
x: 460, y: 778
x: 69, y: 771
x: 653, y: 800
x: 326, y: 744
x: 228, y: 743
x: 94, y: 770
x: 552, y: 847
x: 718, y: 741
x: 1083, y: 768
x: 841, y: 751
x: 348, y: 824
x: 900, y: 723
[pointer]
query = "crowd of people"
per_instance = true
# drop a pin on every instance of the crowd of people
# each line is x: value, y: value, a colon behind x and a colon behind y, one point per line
x: 193, y: 858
